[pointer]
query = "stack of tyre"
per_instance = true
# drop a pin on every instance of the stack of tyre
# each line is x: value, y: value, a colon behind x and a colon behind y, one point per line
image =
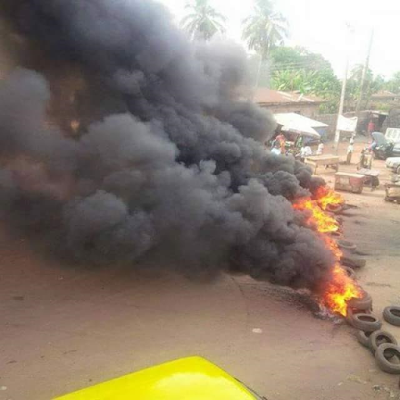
x: 350, y: 260
x: 381, y: 343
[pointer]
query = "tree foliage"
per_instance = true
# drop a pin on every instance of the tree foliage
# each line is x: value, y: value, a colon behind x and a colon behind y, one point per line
x: 297, y: 69
x: 202, y: 20
x: 297, y: 58
x: 265, y: 28
x: 393, y: 84
x: 372, y: 84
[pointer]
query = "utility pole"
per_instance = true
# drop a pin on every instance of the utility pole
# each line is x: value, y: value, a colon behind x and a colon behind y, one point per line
x: 263, y: 66
x: 258, y: 75
x: 343, y: 93
x: 341, y: 104
x: 364, y: 75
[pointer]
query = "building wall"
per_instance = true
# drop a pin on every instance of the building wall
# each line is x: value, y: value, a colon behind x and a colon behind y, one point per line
x: 331, y: 120
x: 392, y: 120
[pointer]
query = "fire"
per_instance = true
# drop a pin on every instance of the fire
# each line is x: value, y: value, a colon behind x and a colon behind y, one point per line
x: 341, y: 288
x: 325, y: 196
x: 333, y: 246
x: 323, y: 222
x: 339, y: 291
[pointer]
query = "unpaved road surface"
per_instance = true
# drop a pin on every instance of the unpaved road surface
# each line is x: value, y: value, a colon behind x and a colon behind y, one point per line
x: 63, y: 329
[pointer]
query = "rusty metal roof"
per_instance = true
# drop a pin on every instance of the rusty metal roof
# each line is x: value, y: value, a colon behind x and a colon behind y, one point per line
x: 269, y: 96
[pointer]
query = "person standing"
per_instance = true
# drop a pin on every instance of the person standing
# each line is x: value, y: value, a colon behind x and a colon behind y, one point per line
x: 350, y: 150
x: 305, y: 152
x: 371, y: 127
x: 282, y: 142
x: 276, y: 149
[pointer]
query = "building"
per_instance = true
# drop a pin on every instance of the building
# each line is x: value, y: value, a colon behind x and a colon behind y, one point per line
x: 288, y: 102
x: 392, y: 120
x: 385, y: 96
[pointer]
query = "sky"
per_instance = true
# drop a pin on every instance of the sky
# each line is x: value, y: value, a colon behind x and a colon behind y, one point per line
x: 320, y: 26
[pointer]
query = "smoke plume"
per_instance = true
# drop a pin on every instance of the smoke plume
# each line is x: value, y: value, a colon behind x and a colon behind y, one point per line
x: 121, y: 141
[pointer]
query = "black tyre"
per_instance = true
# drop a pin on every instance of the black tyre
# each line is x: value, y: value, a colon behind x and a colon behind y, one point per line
x: 350, y: 272
x: 383, y: 356
x: 353, y: 262
x: 365, y: 303
x: 346, y: 245
x: 365, y: 322
x: 352, y: 311
x: 398, y: 170
x: 334, y: 208
x: 391, y: 315
x: 336, y: 234
x: 363, y: 337
x: 380, y: 337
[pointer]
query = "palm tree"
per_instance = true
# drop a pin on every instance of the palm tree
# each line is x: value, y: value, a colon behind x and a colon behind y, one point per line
x: 203, y: 21
x: 265, y: 29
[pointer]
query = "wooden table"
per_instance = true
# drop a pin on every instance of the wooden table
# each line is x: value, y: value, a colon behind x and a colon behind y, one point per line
x: 371, y: 177
x: 349, y: 182
x: 324, y: 159
x: 392, y: 191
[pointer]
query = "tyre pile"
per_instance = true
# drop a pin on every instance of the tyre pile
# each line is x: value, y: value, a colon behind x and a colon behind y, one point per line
x: 382, y: 344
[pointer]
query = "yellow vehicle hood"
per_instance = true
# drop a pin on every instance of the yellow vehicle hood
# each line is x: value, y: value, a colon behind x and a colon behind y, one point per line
x: 192, y: 378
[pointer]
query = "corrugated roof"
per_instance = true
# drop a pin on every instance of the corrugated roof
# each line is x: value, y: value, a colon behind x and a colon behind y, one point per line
x: 269, y: 96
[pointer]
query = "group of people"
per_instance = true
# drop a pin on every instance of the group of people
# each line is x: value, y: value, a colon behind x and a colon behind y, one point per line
x: 301, y: 149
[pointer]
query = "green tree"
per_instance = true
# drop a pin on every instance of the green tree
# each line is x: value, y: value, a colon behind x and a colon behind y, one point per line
x: 265, y: 28
x: 297, y: 69
x: 202, y: 20
x: 372, y: 84
x: 393, y: 84
x: 297, y: 58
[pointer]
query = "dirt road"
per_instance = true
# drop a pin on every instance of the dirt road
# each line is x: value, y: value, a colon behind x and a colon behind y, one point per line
x: 64, y: 329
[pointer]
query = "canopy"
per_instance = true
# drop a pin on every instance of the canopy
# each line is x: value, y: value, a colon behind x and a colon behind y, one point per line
x: 296, y: 123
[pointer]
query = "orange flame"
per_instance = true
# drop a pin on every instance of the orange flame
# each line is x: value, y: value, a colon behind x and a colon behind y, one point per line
x: 322, y: 221
x: 325, y: 197
x: 341, y: 287
x: 339, y: 291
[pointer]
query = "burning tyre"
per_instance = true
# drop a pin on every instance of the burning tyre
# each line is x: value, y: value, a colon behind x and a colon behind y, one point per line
x: 363, y: 303
x: 379, y: 338
x: 384, y: 355
x: 350, y: 273
x: 391, y: 315
x: 334, y: 208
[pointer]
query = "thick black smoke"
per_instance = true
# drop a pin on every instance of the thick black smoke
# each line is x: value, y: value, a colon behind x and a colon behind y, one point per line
x: 164, y: 161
